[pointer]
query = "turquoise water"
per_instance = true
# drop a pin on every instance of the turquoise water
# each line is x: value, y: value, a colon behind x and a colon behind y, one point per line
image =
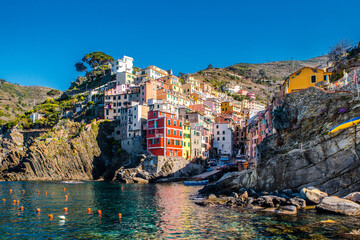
x: 154, y: 211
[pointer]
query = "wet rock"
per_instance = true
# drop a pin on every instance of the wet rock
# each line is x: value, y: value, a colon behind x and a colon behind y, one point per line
x: 288, y: 192
x: 212, y: 196
x: 140, y: 180
x: 270, y: 201
x: 298, y: 202
x: 338, y: 206
x: 252, y: 193
x: 355, y: 197
x: 290, y: 209
x: 243, y: 197
x: 234, y: 194
x: 312, y: 195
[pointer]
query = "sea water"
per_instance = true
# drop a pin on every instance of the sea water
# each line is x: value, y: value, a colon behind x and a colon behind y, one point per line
x: 152, y: 211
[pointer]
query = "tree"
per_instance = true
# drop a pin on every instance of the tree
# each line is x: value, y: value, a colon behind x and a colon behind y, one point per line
x: 96, y: 59
x: 210, y: 66
x: 80, y: 67
x: 338, y: 50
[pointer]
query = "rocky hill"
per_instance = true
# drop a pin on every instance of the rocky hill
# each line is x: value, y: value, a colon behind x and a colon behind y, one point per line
x: 302, y: 153
x: 263, y: 79
x: 16, y: 99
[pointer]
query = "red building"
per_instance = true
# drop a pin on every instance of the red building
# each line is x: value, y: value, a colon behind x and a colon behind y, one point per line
x: 164, y: 134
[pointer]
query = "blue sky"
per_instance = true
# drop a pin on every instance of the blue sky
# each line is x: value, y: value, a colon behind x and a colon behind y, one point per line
x: 40, y: 41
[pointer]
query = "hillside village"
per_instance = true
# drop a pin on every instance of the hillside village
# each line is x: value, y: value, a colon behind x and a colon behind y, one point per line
x: 160, y: 114
x: 183, y: 117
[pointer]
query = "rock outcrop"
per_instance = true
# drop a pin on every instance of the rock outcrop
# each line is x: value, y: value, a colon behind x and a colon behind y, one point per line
x: 339, y: 206
x: 302, y: 153
x: 69, y: 151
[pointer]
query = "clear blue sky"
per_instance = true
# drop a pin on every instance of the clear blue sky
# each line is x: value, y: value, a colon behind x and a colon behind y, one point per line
x: 41, y: 41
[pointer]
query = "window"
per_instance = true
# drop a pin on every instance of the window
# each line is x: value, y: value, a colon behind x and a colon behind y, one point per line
x: 223, y: 138
x: 326, y: 77
x: 313, y: 79
x: 174, y: 122
x: 218, y: 139
x: 174, y: 132
x: 169, y: 132
x: 223, y: 132
x: 153, y: 141
x: 217, y: 126
x: 180, y: 133
x: 157, y: 141
x: 175, y: 152
x: 169, y: 121
x: 154, y: 114
x: 180, y: 124
x: 169, y: 141
x: 218, y: 132
x: 188, y: 144
x: 149, y: 132
x: 172, y: 142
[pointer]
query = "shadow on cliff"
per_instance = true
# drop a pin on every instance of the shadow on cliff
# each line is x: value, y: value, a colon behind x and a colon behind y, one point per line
x: 110, y: 158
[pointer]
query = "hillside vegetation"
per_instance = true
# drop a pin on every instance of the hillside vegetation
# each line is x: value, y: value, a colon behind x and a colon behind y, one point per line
x: 16, y: 99
x: 262, y: 79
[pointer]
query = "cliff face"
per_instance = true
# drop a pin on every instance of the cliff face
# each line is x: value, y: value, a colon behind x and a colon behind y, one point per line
x: 302, y: 153
x: 69, y: 151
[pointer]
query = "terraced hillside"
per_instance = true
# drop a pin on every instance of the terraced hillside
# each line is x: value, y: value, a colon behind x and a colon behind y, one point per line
x: 16, y: 99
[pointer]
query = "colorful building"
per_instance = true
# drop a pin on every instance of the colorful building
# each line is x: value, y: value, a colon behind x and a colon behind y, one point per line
x: 304, y: 78
x: 148, y: 90
x: 164, y: 134
x: 186, y: 141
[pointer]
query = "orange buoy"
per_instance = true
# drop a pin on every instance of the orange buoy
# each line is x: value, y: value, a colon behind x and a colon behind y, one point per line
x: 65, y: 209
x: 10, y: 190
x: 66, y: 196
x: 38, y: 210
x: 45, y: 193
x: 51, y: 216
x: 89, y: 210
x: 4, y: 200
x: 99, y: 212
x: 38, y: 191
x: 122, y: 188
x: 64, y: 189
x: 14, y: 201
x: 23, y: 191
x: 22, y: 208
x: 120, y: 215
x: 53, y: 193
x: 17, y: 202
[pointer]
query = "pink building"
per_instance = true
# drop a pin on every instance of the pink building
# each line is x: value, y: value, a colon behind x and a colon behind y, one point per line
x: 243, y: 92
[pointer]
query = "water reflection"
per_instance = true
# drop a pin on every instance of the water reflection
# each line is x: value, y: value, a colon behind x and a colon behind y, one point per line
x: 148, y: 211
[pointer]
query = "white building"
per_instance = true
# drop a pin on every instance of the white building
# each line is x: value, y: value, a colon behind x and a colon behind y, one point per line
x: 223, y: 138
x: 36, y: 116
x: 152, y: 72
x: 137, y: 116
x: 124, y: 64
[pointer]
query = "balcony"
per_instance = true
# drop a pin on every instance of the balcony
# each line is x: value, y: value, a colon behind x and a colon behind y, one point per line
x: 159, y: 135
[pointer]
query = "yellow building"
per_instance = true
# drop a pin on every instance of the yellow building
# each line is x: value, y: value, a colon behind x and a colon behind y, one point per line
x: 186, y: 141
x: 230, y: 106
x: 304, y: 78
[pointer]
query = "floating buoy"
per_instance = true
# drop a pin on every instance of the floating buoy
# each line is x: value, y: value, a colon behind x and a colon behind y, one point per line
x: 89, y: 210
x: 38, y: 191
x: 45, y: 193
x: 38, y: 210
x: 17, y: 202
x: 10, y: 190
x: 4, y: 200
x: 122, y: 188
x: 51, y: 216
x: 120, y: 216
x: 66, y: 196
x: 23, y: 191
x: 99, y: 212
x: 14, y: 201
x: 22, y: 208
x: 65, y: 209
x: 53, y: 193
x: 64, y: 189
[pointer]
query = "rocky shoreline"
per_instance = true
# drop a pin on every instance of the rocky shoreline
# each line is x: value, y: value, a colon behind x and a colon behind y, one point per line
x: 286, y: 201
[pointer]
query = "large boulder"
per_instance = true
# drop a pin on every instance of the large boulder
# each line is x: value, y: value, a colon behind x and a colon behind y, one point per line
x: 298, y: 202
x: 338, y: 206
x: 286, y: 210
x: 355, y: 197
x: 312, y: 195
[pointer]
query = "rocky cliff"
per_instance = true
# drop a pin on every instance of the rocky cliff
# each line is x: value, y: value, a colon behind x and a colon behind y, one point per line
x: 302, y: 153
x: 69, y: 151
